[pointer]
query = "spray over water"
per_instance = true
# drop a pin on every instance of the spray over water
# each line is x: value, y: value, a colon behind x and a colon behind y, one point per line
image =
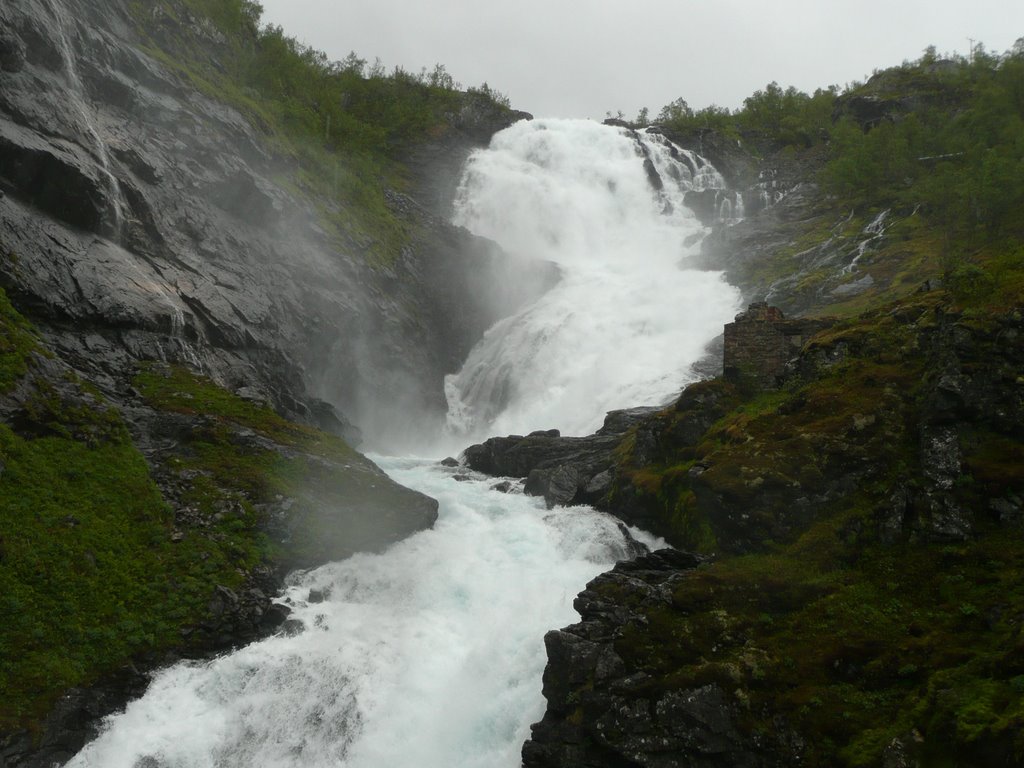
x: 628, y: 319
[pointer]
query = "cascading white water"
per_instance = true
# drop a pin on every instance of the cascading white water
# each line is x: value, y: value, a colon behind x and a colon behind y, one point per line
x: 628, y: 319
x: 428, y: 655
x: 874, y: 231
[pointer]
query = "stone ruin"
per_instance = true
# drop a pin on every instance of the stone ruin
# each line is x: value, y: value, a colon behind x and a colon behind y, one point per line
x: 761, y: 342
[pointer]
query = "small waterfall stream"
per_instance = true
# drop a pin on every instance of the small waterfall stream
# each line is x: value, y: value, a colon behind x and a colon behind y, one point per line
x: 76, y: 91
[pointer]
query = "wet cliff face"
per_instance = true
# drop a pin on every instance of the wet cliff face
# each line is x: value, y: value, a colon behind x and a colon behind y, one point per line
x: 140, y: 218
x: 159, y: 247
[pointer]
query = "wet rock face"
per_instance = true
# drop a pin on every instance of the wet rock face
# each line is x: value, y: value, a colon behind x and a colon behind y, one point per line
x: 564, y: 470
x: 151, y: 216
x: 12, y: 53
x: 602, y: 714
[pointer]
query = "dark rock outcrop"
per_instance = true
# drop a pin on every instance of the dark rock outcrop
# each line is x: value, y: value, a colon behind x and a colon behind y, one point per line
x: 564, y: 470
x: 602, y: 714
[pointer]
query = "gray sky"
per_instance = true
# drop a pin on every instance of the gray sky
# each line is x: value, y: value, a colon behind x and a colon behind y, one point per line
x: 588, y: 57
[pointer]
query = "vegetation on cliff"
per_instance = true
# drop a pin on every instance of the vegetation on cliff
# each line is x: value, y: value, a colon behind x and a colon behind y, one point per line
x: 109, y: 557
x: 866, y: 516
x: 867, y: 584
x: 347, y: 124
x: 89, y: 574
x: 942, y: 135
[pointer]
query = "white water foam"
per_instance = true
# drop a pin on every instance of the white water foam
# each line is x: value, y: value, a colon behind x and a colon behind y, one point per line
x: 428, y: 655
x: 628, y: 319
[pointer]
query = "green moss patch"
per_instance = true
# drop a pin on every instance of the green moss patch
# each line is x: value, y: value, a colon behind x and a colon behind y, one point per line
x: 178, y: 390
x: 17, y: 343
x: 247, y: 468
x: 89, y: 574
x: 856, y: 650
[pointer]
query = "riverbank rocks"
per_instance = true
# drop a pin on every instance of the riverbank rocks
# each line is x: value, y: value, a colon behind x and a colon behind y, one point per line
x: 564, y: 470
x: 601, y: 715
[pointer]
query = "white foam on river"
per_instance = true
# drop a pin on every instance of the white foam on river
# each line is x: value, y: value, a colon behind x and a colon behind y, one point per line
x: 429, y: 655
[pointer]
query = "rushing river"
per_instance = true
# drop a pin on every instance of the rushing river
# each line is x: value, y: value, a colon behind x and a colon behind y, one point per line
x: 430, y: 654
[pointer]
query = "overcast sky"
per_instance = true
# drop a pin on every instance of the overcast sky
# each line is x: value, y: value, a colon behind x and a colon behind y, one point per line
x: 587, y: 57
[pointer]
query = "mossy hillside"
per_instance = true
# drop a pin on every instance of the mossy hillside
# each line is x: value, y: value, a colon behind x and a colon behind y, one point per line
x: 105, y: 560
x: 17, y: 343
x: 854, y: 644
x: 907, y: 257
x: 935, y: 144
x: 981, y: 274
x: 90, y: 577
x: 343, y: 127
x: 745, y: 467
x: 241, y: 465
x: 853, y: 636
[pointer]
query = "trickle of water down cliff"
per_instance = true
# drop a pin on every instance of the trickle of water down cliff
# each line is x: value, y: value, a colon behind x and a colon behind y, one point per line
x: 431, y: 653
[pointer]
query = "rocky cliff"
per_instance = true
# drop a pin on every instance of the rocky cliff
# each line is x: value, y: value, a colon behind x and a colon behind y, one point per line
x: 159, y: 222
x: 866, y: 525
x: 192, y: 329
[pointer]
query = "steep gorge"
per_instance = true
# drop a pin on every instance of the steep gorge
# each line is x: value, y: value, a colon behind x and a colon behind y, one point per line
x: 195, y: 328
x: 856, y: 518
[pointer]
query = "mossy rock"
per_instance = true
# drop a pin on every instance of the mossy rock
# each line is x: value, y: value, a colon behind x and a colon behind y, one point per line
x: 316, y: 498
x: 109, y: 557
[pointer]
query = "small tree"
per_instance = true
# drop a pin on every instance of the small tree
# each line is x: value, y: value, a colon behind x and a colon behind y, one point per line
x: 676, y: 111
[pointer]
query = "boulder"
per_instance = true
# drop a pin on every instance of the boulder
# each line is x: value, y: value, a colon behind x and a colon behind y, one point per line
x: 564, y: 470
x: 604, y: 715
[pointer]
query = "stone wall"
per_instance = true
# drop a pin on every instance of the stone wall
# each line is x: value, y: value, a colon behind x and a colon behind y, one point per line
x: 761, y: 341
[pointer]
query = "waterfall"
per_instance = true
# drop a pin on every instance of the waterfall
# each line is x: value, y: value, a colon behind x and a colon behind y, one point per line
x: 628, y: 319
x: 76, y: 92
x: 431, y: 653
x: 874, y: 232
